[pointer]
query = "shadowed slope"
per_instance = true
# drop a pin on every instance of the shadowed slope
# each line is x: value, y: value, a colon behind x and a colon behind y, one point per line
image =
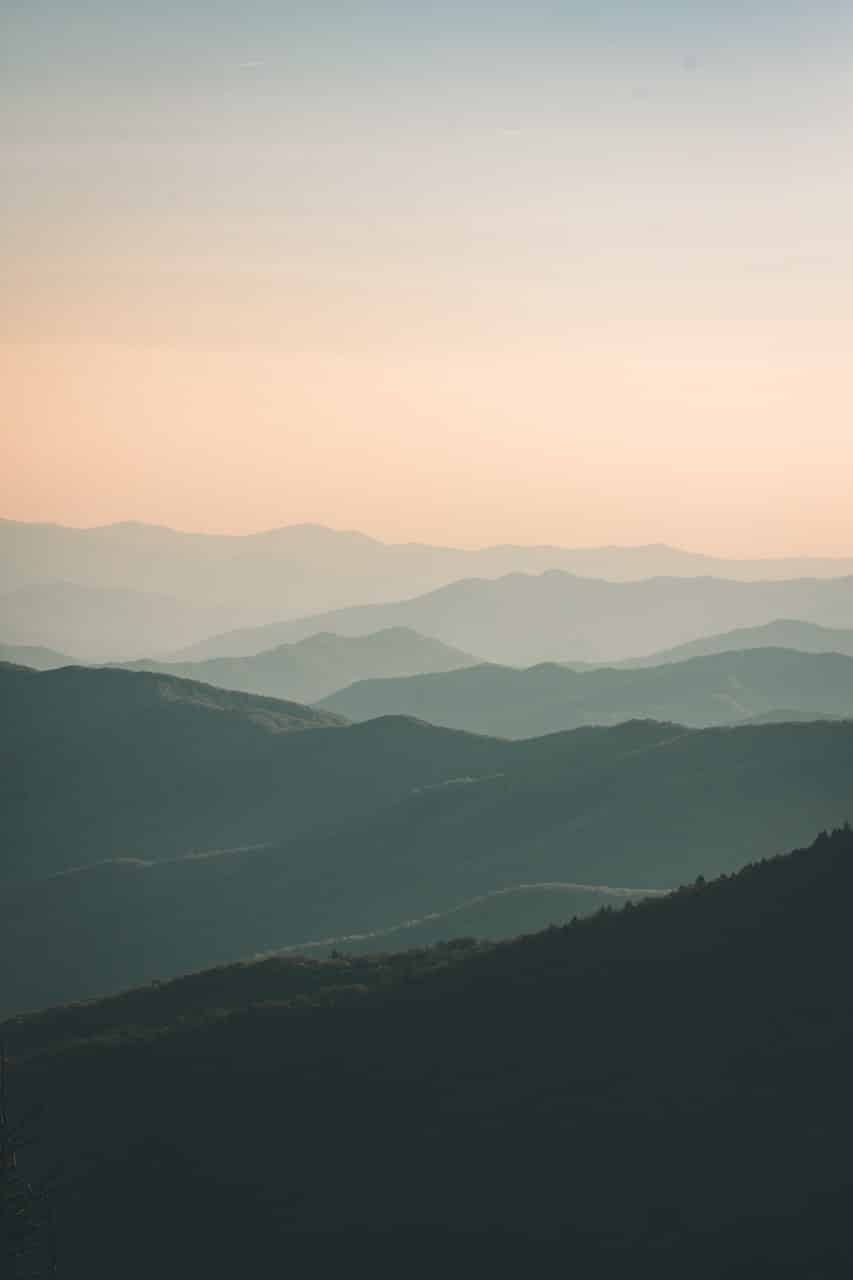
x: 666, y: 1086
x: 105, y: 763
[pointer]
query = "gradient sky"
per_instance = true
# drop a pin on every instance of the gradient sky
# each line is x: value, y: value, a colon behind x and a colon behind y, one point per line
x: 469, y: 272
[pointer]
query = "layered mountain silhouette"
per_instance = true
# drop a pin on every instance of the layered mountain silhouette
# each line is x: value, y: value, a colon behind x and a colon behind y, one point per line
x: 131, y: 591
x: 41, y: 659
x: 783, y: 633
x: 385, y: 822
x: 306, y: 568
x: 666, y: 1086
x: 557, y: 617
x: 314, y: 667
x: 99, y: 623
x: 506, y: 702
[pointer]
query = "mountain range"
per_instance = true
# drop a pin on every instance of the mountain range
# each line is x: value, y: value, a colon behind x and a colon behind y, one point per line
x: 309, y: 567
x: 310, y: 669
x: 523, y: 619
x: 134, y: 591
x: 665, y: 1087
x: 722, y: 689
x: 292, y: 754
x: 104, y: 763
x: 323, y: 663
x: 313, y: 830
x: 782, y: 633
x: 96, y: 624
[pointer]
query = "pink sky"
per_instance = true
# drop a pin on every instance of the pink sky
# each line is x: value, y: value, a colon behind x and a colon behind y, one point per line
x: 730, y: 457
x: 555, y: 277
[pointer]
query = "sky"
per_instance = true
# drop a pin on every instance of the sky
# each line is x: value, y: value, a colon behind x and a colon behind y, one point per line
x: 568, y: 272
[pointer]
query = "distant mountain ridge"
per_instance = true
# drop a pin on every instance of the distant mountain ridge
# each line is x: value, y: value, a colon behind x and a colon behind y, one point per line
x: 723, y: 688
x: 310, y: 568
x: 781, y: 633
x: 522, y: 619
x: 35, y: 656
x: 98, y: 623
x: 315, y: 667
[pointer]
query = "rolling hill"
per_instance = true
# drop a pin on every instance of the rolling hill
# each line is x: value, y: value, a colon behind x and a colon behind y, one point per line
x: 320, y: 664
x: 421, y: 821
x: 523, y: 619
x: 664, y: 1087
x: 503, y: 701
x: 782, y: 633
x: 105, y: 763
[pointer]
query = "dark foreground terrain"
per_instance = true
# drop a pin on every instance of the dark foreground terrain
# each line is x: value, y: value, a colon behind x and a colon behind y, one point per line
x: 663, y: 1089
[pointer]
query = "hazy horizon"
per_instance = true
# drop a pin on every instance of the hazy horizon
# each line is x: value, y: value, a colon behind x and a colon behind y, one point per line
x: 320, y: 526
x: 471, y: 275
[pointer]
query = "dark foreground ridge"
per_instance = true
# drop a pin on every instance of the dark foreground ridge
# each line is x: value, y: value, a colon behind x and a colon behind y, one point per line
x: 664, y: 1087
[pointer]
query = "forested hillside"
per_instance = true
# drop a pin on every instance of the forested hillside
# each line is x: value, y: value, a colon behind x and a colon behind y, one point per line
x: 663, y: 1086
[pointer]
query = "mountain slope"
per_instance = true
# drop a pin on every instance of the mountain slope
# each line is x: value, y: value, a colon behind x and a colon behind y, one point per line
x: 320, y: 664
x: 662, y: 1088
x: 641, y: 805
x: 782, y: 633
x: 522, y: 619
x: 503, y: 701
x: 35, y: 656
x: 499, y: 914
x: 101, y: 763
